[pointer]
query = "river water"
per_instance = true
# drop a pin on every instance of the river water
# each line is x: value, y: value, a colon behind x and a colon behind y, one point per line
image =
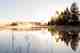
x: 30, y: 42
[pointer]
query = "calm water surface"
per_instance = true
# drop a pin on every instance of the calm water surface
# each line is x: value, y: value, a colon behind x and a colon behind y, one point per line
x: 30, y: 42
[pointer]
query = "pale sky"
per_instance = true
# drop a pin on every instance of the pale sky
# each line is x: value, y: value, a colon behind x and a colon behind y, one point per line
x: 32, y: 9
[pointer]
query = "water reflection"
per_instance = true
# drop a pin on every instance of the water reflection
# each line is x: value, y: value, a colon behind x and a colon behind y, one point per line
x: 29, y: 42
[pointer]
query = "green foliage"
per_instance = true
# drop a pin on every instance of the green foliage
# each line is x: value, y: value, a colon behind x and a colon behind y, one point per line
x: 52, y: 29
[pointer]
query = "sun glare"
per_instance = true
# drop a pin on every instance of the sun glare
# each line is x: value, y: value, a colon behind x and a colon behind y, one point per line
x: 55, y: 37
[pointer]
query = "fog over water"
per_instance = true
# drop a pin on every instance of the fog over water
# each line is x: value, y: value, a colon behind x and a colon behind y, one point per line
x: 30, y: 42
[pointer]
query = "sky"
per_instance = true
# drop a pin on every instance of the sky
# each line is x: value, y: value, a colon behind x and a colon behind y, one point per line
x: 32, y: 9
x: 7, y: 9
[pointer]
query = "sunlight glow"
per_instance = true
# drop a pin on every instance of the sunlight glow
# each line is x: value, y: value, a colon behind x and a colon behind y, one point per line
x: 55, y: 37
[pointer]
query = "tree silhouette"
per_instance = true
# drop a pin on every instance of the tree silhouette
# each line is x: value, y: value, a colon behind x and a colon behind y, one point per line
x: 69, y: 18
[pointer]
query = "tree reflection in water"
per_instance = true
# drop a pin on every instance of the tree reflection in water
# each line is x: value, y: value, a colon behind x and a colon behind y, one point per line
x: 69, y: 17
x: 71, y: 38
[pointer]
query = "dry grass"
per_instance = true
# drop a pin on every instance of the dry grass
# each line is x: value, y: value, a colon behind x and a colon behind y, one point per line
x: 22, y: 26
